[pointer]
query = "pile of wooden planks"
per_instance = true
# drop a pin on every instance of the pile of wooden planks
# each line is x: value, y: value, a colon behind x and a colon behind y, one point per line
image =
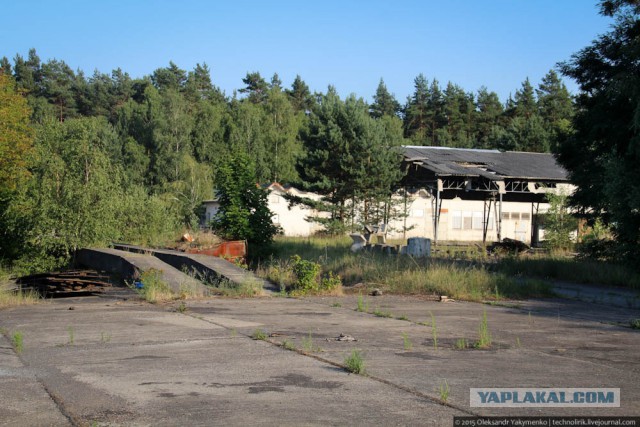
x: 66, y: 283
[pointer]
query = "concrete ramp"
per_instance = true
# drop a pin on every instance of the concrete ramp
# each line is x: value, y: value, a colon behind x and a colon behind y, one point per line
x: 131, y: 266
x: 212, y: 268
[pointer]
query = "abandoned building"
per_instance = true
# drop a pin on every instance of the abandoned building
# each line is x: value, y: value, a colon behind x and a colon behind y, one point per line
x: 450, y: 194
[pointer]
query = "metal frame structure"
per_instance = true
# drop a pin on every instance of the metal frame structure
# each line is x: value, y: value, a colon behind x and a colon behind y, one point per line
x: 485, y: 175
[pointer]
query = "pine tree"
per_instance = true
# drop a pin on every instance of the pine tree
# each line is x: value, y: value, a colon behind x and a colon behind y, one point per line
x: 384, y: 103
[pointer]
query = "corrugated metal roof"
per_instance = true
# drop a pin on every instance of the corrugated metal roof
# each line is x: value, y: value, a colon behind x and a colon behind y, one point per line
x: 491, y: 164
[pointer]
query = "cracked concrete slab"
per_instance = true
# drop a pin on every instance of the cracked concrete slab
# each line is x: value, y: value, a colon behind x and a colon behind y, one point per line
x: 116, y: 362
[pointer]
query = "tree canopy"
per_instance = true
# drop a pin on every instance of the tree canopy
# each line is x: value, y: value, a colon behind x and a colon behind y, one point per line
x: 603, y: 153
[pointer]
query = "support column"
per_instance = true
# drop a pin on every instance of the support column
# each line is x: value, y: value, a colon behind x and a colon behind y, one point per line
x: 499, y: 221
x: 486, y: 214
x: 436, y: 211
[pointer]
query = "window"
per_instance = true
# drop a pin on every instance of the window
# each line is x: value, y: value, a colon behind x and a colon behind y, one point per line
x: 505, y: 215
x: 467, y: 220
x: 456, y: 220
x: 515, y: 215
x: 525, y: 216
x: 477, y: 221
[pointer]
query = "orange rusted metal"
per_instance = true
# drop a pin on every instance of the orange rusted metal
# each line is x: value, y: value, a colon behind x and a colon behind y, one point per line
x: 233, y: 250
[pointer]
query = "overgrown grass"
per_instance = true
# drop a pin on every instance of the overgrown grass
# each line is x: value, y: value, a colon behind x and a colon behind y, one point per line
x: 12, y: 297
x: 571, y: 270
x: 399, y: 274
x: 17, y: 339
x: 354, y: 363
x: 484, y: 335
x: 225, y: 287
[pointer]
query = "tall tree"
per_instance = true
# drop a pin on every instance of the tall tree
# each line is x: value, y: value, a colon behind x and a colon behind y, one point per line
x: 555, y: 106
x: 416, y: 111
x: 602, y: 156
x: 300, y: 96
x: 256, y: 87
x: 384, y: 103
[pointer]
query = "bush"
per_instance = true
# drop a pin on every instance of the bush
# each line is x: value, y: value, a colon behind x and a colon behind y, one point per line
x: 306, y: 273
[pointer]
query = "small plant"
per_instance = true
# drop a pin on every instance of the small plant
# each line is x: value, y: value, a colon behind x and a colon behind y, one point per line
x: 461, y: 344
x: 71, y: 335
x: 444, y: 391
x: 308, y: 346
x: 380, y: 313
x: 182, y: 307
x: 336, y: 304
x: 434, y: 331
x: 363, y: 304
x: 484, y: 336
x: 18, y: 342
x: 288, y: 345
x: 408, y: 345
x: 259, y: 334
x: 518, y: 345
x: 635, y: 324
x: 330, y: 282
x: 105, y: 338
x: 234, y: 333
x: 354, y: 363
x: 403, y: 317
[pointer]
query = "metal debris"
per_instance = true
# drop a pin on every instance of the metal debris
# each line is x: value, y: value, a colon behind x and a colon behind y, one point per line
x: 66, y: 283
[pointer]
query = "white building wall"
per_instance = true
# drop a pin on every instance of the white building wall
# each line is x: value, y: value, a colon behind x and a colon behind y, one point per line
x: 460, y: 220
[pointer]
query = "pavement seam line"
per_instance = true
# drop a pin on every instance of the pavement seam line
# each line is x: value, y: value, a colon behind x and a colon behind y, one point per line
x: 339, y: 365
x: 73, y: 419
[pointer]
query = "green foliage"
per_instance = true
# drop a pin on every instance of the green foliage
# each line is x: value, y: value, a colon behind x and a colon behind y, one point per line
x: 243, y: 212
x: 559, y: 223
x: 444, y: 391
x: 484, y: 335
x: 461, y: 344
x: 17, y: 340
x: 259, y: 335
x: 602, y: 155
x: 155, y: 288
x: 306, y: 273
x: 635, y: 323
x: 354, y: 363
x: 406, y: 342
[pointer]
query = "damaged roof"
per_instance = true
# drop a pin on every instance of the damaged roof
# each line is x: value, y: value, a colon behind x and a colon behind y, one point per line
x: 490, y: 164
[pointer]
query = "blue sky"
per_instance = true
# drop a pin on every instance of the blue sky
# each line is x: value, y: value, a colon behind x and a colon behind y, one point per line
x: 349, y: 44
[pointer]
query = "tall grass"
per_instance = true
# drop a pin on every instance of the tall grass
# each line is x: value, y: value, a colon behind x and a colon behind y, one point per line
x: 12, y: 297
x: 400, y: 274
x: 571, y: 270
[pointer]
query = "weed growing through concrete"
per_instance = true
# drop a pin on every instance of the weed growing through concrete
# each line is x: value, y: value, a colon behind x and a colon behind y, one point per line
x: 288, y: 345
x: 18, y: 342
x: 155, y: 289
x: 444, y: 391
x: 71, y: 335
x: 336, y: 304
x: 308, y: 346
x: 105, y: 338
x: 380, y: 313
x: 354, y: 363
x: 234, y: 333
x: 518, y: 345
x: 182, y: 307
x: 484, y: 336
x: 363, y: 304
x: 635, y: 324
x: 408, y: 345
x: 434, y: 331
x: 461, y: 344
x: 259, y: 334
x: 403, y: 317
